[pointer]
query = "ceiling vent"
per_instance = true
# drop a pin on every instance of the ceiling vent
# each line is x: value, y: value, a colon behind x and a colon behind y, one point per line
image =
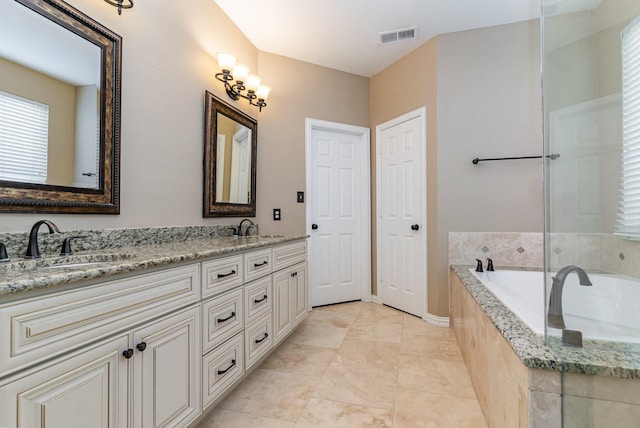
x: 398, y: 35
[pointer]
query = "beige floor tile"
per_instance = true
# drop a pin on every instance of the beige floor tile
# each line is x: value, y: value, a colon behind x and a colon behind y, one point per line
x: 318, y: 333
x: 447, y: 377
x: 413, y: 325
x: 429, y: 346
x: 272, y: 394
x: 379, y: 358
x: 385, y: 331
x: 380, y: 314
x: 300, y: 359
x: 418, y: 409
x: 334, y: 318
x: 358, y: 378
x: 324, y: 413
x: 221, y: 418
x: 356, y: 365
x: 355, y: 387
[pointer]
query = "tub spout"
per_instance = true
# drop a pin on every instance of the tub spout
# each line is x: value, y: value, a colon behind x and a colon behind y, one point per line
x: 555, y: 317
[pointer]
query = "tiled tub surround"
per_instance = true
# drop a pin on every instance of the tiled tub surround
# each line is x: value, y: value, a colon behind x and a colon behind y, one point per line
x: 118, y: 251
x: 597, y: 251
x: 521, y: 381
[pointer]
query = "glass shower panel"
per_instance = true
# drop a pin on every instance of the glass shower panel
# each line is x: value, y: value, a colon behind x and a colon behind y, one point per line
x: 591, y: 62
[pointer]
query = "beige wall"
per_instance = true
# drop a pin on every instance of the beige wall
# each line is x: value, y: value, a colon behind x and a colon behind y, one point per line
x: 403, y: 87
x: 60, y: 97
x: 482, y: 93
x: 301, y: 90
x: 168, y: 63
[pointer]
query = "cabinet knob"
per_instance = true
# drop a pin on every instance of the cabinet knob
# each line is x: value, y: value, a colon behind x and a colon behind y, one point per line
x: 141, y: 346
x: 128, y: 353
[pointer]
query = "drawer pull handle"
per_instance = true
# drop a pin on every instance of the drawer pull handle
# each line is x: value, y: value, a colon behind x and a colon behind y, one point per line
x: 263, y: 338
x: 221, y: 320
x: 141, y: 346
x: 233, y: 364
x: 127, y: 353
x: 223, y: 275
x: 260, y: 300
x: 264, y: 263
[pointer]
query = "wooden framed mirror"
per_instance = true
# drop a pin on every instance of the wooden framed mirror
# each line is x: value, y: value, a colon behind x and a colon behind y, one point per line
x: 60, y: 88
x: 230, y: 151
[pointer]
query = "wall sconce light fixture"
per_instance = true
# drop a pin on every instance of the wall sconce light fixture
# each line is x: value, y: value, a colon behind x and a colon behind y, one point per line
x: 121, y: 4
x: 257, y: 93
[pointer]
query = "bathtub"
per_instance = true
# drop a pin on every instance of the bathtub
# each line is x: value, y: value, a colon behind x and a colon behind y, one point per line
x: 608, y: 310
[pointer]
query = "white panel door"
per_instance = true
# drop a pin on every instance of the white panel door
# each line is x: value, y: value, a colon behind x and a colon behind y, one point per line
x: 401, y: 222
x: 335, y: 198
x: 587, y: 136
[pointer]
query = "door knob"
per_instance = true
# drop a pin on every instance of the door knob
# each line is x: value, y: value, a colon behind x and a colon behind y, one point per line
x: 314, y: 226
x: 415, y: 227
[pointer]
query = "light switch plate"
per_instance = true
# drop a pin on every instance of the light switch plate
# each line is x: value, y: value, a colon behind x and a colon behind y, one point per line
x: 276, y: 214
x: 300, y: 197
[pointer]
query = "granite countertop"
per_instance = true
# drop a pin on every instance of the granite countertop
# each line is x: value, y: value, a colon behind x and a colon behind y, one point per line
x: 21, y: 275
x: 594, y: 358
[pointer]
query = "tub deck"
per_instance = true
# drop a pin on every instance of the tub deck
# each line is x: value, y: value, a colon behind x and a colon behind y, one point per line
x: 522, y: 381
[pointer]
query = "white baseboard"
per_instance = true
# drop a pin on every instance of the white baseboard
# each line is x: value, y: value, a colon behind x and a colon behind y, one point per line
x: 436, y: 320
x: 431, y: 319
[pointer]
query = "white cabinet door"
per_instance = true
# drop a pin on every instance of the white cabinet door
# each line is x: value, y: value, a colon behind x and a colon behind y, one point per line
x: 282, y: 319
x: 299, y: 285
x: 290, y: 291
x: 84, y: 389
x: 166, y: 371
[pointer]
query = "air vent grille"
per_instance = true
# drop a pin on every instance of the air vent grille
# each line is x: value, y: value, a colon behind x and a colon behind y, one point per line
x: 398, y: 35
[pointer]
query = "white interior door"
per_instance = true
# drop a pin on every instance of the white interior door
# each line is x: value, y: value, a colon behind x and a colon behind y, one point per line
x: 401, y: 190
x: 587, y: 136
x: 240, y: 164
x: 338, y: 213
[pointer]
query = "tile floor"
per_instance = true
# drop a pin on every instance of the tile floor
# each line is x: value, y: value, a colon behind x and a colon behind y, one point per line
x: 356, y: 365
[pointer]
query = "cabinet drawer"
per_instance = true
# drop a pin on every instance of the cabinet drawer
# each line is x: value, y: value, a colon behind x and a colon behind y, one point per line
x: 223, y: 317
x: 46, y: 326
x: 257, y: 264
x: 258, y: 340
x: 258, y: 299
x: 289, y: 254
x: 221, y: 368
x: 222, y: 274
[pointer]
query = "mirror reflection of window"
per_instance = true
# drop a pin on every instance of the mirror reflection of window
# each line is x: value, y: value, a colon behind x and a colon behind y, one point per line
x: 24, y: 136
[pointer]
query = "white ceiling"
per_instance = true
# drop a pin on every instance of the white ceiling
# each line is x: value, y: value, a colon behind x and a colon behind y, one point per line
x: 343, y: 34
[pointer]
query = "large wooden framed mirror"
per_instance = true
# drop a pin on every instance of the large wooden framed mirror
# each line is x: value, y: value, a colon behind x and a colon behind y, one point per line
x: 230, y: 151
x: 60, y: 123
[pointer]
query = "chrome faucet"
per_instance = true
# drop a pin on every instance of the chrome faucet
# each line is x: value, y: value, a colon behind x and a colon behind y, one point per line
x: 240, y: 227
x: 33, y: 252
x: 555, y: 318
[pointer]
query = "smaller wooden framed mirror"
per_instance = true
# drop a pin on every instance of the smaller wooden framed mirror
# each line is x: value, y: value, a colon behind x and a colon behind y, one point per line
x: 230, y: 151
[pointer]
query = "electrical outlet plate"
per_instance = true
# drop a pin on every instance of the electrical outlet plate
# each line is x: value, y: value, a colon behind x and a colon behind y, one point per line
x: 276, y: 214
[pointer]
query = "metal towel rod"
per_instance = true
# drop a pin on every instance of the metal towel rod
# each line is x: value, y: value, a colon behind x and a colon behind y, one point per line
x: 553, y: 156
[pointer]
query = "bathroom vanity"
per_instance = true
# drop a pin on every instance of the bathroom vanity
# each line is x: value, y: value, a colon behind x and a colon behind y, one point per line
x: 153, y: 338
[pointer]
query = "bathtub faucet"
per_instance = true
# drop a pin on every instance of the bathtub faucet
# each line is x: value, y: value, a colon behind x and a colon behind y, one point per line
x: 555, y: 317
